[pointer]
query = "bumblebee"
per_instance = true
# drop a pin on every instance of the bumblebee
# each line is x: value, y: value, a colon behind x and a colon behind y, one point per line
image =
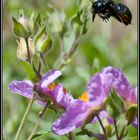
x: 108, y: 8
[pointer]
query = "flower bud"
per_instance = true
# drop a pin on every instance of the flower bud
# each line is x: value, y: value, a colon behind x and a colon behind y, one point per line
x: 43, y: 41
x: 108, y: 130
x: 25, y: 22
x: 22, y: 52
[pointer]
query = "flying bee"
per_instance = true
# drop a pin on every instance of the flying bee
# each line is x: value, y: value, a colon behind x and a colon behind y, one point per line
x: 107, y: 8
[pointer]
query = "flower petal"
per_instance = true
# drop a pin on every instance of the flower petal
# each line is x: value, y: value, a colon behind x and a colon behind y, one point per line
x: 24, y: 88
x: 100, y: 84
x: 41, y: 102
x: 96, y: 91
x: 47, y: 79
x: 102, y: 114
x: 135, y: 122
x: 72, y: 118
x: 60, y: 97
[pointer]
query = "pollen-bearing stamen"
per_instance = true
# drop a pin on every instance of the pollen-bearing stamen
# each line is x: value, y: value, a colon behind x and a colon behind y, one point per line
x: 84, y: 97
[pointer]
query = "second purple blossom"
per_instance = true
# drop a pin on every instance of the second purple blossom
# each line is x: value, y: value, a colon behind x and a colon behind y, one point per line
x: 98, y: 89
x: 45, y: 90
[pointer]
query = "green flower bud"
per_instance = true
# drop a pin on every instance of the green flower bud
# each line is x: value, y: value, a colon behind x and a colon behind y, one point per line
x: 19, y: 29
x: 43, y: 41
x: 25, y: 22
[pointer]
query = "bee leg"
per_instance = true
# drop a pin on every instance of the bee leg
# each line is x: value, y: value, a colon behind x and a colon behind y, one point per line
x: 105, y: 19
x: 93, y: 17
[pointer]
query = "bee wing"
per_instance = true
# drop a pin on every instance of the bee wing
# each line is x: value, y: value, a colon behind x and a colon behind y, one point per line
x: 121, y: 13
x: 123, y: 18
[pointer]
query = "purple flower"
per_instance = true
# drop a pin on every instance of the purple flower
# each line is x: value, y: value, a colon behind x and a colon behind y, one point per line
x: 74, y: 117
x: 24, y: 88
x: 45, y: 90
x: 60, y: 97
x: 78, y: 113
x: 98, y: 88
x: 100, y: 84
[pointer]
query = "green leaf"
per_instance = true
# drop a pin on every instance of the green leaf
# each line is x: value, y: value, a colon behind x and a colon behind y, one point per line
x: 40, y: 134
x: 131, y: 113
x: 19, y: 29
x: 83, y: 132
x: 29, y: 70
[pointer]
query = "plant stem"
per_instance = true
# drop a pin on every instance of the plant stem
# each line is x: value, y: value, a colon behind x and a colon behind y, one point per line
x: 41, y: 114
x: 102, y: 126
x: 121, y: 135
x: 45, y: 65
x: 98, y: 136
x: 70, y: 136
x: 61, y: 66
x: 116, y: 130
x: 28, y: 51
x: 74, y: 47
x: 39, y: 68
x: 70, y: 53
x: 24, y: 117
x: 62, y: 46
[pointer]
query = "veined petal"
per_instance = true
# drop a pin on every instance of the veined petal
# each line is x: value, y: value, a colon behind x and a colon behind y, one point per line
x: 24, y: 88
x: 48, y: 79
x: 96, y: 91
x: 60, y: 97
x: 109, y: 77
x: 72, y: 118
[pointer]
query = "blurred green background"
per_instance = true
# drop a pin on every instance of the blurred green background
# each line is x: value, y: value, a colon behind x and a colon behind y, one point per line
x: 104, y: 44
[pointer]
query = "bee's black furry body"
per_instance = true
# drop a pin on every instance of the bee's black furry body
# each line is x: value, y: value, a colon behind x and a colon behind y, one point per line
x: 107, y: 8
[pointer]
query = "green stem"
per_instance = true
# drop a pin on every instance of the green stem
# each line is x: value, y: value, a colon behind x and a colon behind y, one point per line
x: 39, y: 68
x: 62, y: 46
x: 28, y: 51
x: 38, y: 121
x: 45, y: 64
x: 70, y: 136
x: 92, y: 134
x: 61, y: 66
x: 74, y: 47
x: 102, y: 126
x: 24, y: 117
x: 70, y: 53
x: 116, y: 130
x: 122, y: 133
